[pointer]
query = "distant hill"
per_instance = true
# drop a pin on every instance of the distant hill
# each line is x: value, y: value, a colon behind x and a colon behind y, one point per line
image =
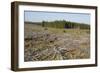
x: 37, y: 23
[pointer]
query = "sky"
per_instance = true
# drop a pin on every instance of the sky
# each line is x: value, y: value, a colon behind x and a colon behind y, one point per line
x: 39, y: 16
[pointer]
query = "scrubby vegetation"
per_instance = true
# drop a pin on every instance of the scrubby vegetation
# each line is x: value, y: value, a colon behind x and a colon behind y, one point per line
x: 57, y: 40
x: 65, y: 24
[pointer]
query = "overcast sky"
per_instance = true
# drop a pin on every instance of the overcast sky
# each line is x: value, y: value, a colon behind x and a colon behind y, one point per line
x: 36, y: 16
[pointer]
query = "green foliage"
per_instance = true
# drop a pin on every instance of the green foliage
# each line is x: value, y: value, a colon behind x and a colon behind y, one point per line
x: 65, y: 24
x: 64, y: 31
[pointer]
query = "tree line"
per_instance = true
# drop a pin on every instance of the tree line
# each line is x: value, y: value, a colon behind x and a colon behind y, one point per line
x: 65, y: 24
